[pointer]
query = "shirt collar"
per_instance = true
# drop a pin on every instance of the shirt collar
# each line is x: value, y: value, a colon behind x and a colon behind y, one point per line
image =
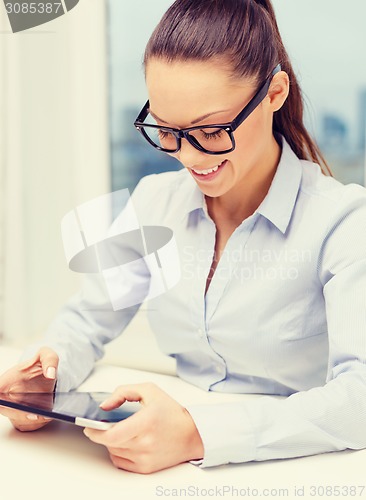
x: 278, y: 203
x: 280, y: 200
x: 194, y: 198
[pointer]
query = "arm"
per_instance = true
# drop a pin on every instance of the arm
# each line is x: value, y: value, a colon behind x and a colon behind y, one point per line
x: 323, y: 419
x: 79, y: 331
x: 88, y: 320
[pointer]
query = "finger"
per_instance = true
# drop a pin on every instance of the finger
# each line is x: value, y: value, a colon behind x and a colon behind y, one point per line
x: 123, y: 463
x: 29, y: 362
x: 121, y: 452
x: 13, y: 414
x: 21, y: 416
x: 8, y: 412
x: 141, y: 466
x: 94, y: 435
x: 120, y: 433
x: 48, y: 360
x: 23, y: 421
x: 31, y: 419
x: 144, y: 393
x: 29, y: 426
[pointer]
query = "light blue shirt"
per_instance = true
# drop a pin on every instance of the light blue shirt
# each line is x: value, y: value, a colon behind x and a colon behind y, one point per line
x: 285, y: 314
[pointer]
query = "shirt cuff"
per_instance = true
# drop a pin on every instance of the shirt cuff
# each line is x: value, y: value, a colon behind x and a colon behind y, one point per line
x: 226, y: 431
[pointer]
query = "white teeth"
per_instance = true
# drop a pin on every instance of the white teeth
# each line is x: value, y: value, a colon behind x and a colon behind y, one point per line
x: 208, y: 171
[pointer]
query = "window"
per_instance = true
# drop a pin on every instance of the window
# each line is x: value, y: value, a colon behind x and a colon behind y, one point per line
x: 325, y: 41
x: 130, y: 26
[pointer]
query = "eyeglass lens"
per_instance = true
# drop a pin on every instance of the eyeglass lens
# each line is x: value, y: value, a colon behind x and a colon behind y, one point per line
x: 209, y: 138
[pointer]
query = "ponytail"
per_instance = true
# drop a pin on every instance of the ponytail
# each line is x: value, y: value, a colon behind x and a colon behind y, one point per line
x: 245, y: 34
x: 289, y: 120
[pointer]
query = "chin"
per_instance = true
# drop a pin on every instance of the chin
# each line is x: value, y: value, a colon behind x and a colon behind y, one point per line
x: 214, y: 191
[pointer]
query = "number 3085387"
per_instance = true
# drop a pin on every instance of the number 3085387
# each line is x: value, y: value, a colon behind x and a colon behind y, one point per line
x: 33, y: 8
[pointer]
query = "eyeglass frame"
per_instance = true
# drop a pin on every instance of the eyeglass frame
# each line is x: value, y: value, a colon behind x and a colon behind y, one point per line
x: 183, y: 133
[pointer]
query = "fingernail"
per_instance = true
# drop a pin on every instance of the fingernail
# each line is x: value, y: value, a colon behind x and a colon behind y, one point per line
x: 32, y: 416
x: 51, y: 372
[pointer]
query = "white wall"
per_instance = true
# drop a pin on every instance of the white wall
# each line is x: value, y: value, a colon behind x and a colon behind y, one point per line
x: 54, y: 155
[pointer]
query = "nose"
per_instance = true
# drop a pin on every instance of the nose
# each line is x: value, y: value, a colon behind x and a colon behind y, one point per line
x: 188, y: 155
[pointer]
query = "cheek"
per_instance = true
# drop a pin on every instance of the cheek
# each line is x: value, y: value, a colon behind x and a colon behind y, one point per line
x: 250, y: 136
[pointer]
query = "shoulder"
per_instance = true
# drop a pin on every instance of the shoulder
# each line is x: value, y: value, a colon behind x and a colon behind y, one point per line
x: 339, y: 210
x: 328, y: 198
x: 327, y: 215
x: 316, y: 185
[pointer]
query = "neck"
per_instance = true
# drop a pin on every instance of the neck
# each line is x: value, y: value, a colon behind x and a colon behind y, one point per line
x: 244, y: 199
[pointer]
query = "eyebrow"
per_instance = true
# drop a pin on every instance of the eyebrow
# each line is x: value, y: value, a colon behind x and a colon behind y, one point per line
x: 197, y: 120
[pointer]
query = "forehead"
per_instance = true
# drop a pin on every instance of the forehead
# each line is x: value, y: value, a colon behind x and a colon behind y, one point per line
x: 181, y: 91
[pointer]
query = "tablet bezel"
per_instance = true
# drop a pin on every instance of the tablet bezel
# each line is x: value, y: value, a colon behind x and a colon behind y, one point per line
x: 82, y: 421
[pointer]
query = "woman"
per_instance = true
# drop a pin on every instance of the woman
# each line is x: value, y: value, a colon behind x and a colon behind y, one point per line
x: 272, y: 294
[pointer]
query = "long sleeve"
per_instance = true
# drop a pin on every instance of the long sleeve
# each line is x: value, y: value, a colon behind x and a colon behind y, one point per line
x: 325, y: 418
x: 79, y: 331
x: 89, y: 319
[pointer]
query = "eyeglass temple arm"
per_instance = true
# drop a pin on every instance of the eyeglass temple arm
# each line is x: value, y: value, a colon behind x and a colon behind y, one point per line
x: 259, y: 96
x: 143, y: 113
x: 262, y: 92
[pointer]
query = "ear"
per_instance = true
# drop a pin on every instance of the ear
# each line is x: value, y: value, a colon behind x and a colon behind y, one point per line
x: 278, y: 90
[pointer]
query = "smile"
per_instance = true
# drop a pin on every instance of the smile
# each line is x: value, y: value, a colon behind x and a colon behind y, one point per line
x: 208, y: 173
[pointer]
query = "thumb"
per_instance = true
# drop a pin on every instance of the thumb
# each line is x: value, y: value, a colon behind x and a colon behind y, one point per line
x: 143, y: 393
x: 47, y: 359
x: 49, y: 362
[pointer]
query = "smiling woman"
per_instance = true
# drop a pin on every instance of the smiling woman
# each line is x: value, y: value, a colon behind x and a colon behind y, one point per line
x: 285, y: 317
x: 200, y: 95
x: 243, y: 56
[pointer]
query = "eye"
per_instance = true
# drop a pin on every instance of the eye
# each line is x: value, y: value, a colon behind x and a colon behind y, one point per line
x: 212, y: 135
x: 163, y: 134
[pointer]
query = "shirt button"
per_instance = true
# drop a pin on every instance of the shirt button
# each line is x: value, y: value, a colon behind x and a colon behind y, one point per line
x: 200, y: 332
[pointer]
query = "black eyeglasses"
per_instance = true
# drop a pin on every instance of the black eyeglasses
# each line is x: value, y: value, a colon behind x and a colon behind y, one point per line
x: 211, y: 139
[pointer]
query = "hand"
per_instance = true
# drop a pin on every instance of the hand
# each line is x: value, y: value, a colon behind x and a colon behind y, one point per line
x: 35, y: 375
x: 161, y: 434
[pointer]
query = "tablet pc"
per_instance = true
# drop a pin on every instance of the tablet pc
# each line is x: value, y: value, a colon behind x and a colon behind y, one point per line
x: 80, y: 408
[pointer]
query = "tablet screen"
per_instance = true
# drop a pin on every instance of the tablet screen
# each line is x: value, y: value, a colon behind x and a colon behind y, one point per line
x: 68, y: 406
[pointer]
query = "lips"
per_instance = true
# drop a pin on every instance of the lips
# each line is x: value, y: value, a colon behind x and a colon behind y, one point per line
x: 208, y: 174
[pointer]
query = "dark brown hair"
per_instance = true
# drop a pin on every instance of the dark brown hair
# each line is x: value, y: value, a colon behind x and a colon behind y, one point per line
x: 245, y: 34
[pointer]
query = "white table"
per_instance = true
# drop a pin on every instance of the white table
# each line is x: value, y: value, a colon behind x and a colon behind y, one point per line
x: 59, y: 462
